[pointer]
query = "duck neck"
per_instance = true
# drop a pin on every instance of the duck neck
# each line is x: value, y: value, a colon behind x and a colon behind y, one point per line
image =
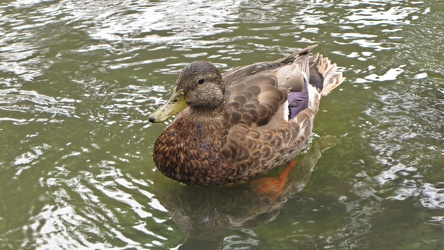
x: 206, y: 113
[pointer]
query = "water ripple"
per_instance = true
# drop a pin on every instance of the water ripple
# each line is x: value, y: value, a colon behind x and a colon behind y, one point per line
x: 433, y: 195
x: 110, y: 186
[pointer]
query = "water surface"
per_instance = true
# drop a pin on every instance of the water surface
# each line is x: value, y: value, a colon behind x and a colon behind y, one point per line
x: 78, y: 79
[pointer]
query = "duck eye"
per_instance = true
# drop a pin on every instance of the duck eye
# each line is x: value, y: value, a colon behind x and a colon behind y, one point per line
x: 201, y: 81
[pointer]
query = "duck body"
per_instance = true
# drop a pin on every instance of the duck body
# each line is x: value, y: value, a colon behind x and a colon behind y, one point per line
x: 239, y: 124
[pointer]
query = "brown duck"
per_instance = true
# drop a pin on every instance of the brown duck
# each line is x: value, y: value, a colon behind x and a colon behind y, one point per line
x: 233, y: 126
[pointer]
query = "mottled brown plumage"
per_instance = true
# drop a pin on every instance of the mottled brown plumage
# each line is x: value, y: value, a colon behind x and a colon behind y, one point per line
x: 240, y: 124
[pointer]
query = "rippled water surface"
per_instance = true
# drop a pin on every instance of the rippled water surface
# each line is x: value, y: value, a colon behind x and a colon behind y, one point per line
x: 78, y: 79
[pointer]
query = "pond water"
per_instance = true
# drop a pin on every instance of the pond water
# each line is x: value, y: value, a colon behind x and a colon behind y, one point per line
x: 79, y: 78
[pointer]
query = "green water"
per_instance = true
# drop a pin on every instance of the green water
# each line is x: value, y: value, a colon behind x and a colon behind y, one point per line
x: 79, y: 78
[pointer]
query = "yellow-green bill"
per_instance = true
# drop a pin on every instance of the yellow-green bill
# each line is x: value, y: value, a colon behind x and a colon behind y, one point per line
x: 174, y: 105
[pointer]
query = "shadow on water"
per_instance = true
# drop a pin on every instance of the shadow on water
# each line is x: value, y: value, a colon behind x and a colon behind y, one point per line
x: 204, y: 213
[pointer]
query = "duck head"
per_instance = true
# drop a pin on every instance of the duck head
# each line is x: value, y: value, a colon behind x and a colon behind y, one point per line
x: 199, y: 86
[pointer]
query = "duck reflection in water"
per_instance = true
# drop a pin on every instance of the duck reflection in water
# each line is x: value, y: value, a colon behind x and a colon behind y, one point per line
x: 204, y: 213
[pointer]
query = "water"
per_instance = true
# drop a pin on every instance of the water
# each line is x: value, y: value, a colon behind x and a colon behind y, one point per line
x: 78, y: 79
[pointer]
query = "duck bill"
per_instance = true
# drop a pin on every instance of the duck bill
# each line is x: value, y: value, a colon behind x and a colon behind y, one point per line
x: 174, y: 105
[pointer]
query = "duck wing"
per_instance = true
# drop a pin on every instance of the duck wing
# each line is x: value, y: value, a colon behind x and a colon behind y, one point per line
x: 258, y: 93
x: 254, y: 99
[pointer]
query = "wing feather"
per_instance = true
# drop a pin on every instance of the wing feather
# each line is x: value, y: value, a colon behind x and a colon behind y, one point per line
x: 254, y: 99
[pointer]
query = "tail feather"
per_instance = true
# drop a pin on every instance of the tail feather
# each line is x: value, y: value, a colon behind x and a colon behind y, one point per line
x: 323, y: 74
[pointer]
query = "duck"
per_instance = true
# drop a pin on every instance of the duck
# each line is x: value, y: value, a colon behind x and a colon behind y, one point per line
x: 230, y: 127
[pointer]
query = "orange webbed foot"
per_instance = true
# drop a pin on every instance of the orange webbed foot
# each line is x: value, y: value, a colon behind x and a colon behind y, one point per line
x: 272, y: 187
